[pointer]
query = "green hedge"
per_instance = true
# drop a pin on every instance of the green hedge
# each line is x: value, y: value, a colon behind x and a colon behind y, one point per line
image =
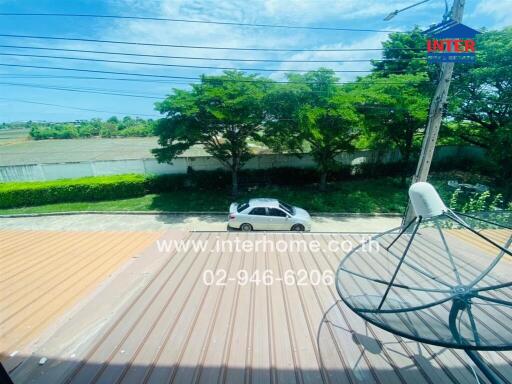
x: 25, y: 194
x: 13, y: 195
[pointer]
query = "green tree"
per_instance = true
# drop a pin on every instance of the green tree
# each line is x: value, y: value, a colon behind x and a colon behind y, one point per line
x: 396, y: 111
x: 312, y: 114
x: 221, y: 113
x: 90, y: 128
x: 404, y: 53
x: 481, y: 101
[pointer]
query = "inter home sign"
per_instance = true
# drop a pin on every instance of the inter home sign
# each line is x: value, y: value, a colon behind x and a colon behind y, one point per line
x: 451, y: 42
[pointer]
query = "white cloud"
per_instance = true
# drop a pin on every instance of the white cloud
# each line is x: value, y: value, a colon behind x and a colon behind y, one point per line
x: 295, y: 11
x: 299, y: 12
x: 372, y: 42
x: 317, y: 10
x: 498, y: 10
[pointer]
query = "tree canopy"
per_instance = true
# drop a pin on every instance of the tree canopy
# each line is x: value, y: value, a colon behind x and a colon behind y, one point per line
x: 403, y: 53
x: 395, y: 112
x: 311, y: 113
x: 221, y: 113
x: 481, y: 100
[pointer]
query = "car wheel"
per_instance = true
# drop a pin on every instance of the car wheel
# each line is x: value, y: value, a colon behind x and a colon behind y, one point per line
x: 298, y: 228
x: 246, y: 227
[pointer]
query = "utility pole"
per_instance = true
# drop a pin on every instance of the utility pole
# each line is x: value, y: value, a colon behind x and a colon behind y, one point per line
x: 435, y: 114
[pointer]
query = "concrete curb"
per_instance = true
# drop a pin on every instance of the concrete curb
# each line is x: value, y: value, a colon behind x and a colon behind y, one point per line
x: 163, y: 213
x: 356, y: 214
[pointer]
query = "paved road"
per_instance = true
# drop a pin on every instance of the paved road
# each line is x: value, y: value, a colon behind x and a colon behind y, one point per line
x: 105, y: 222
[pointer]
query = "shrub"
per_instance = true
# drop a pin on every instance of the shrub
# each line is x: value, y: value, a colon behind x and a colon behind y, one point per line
x: 220, y: 179
x: 474, y: 202
x: 14, y: 195
x: 137, y: 131
x: 22, y: 194
x: 376, y: 169
x: 90, y: 128
x: 482, y: 166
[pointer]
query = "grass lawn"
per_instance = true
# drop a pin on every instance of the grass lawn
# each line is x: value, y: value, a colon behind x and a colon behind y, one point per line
x: 359, y: 196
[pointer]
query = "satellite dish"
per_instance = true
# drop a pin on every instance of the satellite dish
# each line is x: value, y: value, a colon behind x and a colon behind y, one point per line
x: 443, y: 278
x: 426, y: 201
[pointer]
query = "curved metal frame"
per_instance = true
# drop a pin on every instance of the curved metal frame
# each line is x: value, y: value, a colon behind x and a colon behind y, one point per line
x: 364, y: 312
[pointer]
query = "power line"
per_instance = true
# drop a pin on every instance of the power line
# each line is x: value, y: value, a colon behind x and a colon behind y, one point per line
x: 158, y: 116
x: 203, y: 57
x: 163, y: 81
x: 162, y: 76
x: 159, y: 81
x: 102, y: 91
x: 81, y: 90
x: 87, y: 88
x: 175, y: 65
x: 197, y: 21
x: 201, y: 46
x: 77, y: 108
x: 105, y: 72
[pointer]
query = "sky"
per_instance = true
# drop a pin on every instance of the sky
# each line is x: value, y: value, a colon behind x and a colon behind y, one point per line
x: 24, y: 93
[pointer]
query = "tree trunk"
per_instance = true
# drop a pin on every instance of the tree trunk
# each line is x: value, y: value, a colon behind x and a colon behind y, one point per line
x: 234, y: 182
x: 405, y: 168
x: 323, y: 181
x: 235, y: 167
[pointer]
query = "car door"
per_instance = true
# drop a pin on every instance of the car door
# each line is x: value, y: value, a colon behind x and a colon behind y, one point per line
x: 278, y: 219
x: 258, y: 218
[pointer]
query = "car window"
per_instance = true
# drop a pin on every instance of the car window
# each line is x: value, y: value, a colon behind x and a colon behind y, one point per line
x: 242, y: 207
x: 260, y: 211
x: 286, y: 207
x: 276, y: 212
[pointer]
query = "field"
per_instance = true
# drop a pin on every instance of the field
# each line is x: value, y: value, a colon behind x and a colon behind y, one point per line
x: 12, y: 136
x: 20, y: 150
x: 16, y: 148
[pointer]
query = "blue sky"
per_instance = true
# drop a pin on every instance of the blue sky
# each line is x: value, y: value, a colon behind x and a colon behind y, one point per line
x: 367, y: 14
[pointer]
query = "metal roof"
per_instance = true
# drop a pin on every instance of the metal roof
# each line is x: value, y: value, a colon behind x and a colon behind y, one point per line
x: 157, y: 321
x: 45, y: 273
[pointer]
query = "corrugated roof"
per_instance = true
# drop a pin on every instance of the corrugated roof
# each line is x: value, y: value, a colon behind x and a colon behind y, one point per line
x: 157, y: 322
x: 45, y: 273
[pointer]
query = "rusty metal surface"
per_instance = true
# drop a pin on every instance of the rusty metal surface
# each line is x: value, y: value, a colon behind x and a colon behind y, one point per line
x: 172, y: 327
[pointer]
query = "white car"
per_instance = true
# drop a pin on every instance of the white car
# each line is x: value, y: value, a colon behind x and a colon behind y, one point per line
x: 269, y: 215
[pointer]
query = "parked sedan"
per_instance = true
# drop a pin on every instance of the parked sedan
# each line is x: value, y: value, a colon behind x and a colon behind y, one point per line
x: 268, y: 214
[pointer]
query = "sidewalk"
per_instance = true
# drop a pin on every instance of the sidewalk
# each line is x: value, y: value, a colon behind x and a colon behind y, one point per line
x: 213, y: 222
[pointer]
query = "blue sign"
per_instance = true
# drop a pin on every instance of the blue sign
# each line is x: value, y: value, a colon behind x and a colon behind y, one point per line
x: 451, y: 42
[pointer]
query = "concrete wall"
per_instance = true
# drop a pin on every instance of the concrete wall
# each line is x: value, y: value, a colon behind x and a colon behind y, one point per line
x: 56, y: 171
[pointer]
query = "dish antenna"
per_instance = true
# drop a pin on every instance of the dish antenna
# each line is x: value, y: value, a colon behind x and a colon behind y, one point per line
x: 443, y: 278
